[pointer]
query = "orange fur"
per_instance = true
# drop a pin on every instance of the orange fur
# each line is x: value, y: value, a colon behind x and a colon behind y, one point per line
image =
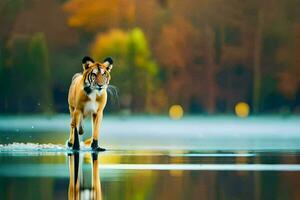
x: 82, y: 103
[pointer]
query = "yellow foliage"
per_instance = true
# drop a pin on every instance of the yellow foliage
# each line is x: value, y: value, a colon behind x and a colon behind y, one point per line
x: 123, y: 46
x: 133, y: 67
x: 114, y: 42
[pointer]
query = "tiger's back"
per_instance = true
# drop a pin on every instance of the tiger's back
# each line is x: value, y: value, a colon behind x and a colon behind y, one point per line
x: 74, y: 90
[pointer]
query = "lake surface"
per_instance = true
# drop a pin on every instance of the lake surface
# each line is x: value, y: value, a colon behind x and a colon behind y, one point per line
x: 152, y: 158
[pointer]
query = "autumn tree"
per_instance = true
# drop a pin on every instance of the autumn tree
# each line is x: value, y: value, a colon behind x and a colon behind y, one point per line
x: 219, y: 52
x: 134, y: 71
x: 187, y: 48
x: 93, y: 16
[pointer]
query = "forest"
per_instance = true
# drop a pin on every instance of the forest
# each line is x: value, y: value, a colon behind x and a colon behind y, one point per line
x: 205, y: 55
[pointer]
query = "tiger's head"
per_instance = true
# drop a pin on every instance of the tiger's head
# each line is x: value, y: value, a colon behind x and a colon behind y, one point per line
x: 96, y: 75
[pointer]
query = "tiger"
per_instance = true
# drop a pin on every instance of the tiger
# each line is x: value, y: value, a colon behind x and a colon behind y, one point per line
x: 88, y: 96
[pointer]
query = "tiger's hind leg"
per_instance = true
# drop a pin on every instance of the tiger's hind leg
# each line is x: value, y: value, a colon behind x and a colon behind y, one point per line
x: 81, y: 131
x: 76, y: 145
x: 70, y: 141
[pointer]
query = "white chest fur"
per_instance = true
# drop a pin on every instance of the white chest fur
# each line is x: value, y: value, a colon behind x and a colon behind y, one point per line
x: 91, y: 106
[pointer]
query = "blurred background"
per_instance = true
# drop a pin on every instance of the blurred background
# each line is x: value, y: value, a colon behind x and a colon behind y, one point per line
x: 171, y: 56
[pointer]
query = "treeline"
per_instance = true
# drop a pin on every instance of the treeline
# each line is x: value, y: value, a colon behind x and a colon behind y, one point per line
x: 205, y: 55
x: 25, y: 79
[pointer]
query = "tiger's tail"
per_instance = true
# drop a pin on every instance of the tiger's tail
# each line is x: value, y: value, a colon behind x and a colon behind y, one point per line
x: 88, y: 142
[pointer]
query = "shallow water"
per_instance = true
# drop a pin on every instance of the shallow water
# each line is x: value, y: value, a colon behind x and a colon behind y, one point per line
x: 150, y: 175
x: 257, y: 158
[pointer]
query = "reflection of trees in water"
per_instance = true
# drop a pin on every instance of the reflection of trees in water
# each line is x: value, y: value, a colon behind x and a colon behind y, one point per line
x: 185, y: 184
x: 160, y: 184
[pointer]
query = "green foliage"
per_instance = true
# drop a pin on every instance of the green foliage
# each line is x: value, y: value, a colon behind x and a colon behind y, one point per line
x: 39, y: 64
x: 26, y: 79
x: 135, y: 70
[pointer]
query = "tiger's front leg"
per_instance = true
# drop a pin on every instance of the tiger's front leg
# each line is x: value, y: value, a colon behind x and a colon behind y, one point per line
x: 75, y: 123
x: 97, y: 119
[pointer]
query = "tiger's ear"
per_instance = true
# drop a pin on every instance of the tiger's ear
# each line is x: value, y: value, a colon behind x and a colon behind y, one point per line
x: 108, y: 63
x: 86, y: 62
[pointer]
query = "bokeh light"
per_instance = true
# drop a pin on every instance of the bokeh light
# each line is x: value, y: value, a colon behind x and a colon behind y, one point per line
x: 242, y: 109
x: 176, y: 112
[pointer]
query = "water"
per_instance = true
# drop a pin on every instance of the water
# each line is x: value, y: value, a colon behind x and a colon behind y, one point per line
x: 152, y: 158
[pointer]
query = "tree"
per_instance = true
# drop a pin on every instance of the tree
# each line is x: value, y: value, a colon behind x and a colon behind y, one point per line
x: 177, y: 52
x: 39, y: 64
x: 8, y: 12
x: 27, y: 83
x: 135, y: 70
x: 93, y: 15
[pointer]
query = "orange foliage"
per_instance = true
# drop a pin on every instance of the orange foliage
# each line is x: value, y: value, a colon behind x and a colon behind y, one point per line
x: 287, y: 85
x: 92, y: 15
x: 177, y: 43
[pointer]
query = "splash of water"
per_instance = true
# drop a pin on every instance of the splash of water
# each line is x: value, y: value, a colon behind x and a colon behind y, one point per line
x: 36, y: 147
x: 32, y: 147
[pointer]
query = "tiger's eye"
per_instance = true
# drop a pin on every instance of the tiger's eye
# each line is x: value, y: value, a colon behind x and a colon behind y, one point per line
x: 93, y: 76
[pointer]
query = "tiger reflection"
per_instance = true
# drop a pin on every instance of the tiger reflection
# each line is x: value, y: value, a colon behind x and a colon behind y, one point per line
x: 75, y: 192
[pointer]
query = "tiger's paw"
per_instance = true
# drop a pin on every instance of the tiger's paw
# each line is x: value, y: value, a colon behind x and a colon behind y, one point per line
x: 81, y: 131
x: 95, y: 146
x: 72, y: 146
x: 99, y: 149
x: 69, y: 145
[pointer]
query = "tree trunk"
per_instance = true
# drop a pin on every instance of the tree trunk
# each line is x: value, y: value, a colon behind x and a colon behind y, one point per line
x: 211, y: 70
x: 257, y: 63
